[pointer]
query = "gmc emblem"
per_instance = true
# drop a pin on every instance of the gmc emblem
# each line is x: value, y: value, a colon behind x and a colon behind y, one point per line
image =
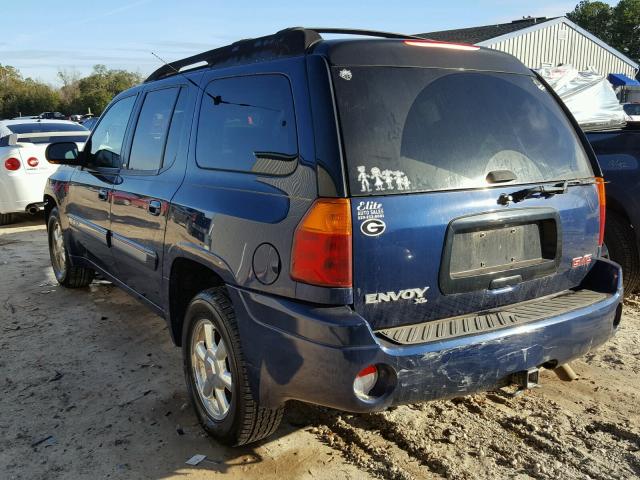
x: 581, y: 261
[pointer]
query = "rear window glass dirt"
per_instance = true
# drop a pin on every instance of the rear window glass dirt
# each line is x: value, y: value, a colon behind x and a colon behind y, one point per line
x: 416, y: 129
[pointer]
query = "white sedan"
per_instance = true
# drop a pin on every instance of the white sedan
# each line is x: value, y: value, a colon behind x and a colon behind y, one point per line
x: 23, y: 167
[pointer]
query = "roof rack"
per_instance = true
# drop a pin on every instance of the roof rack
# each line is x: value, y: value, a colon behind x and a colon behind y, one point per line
x: 285, y: 43
x: 368, y: 33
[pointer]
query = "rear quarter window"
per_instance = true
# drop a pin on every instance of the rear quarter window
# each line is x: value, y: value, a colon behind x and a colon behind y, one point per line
x: 247, y: 124
x: 419, y: 129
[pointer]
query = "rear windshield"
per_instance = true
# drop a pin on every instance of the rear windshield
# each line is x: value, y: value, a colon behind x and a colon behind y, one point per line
x: 418, y: 129
x: 45, y: 127
x: 632, y: 108
x: 50, y: 132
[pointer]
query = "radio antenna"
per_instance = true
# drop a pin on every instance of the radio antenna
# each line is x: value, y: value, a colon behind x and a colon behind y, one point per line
x: 217, y: 99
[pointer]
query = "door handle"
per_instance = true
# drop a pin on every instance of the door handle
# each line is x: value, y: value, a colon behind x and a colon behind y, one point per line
x: 155, y: 206
x: 103, y: 194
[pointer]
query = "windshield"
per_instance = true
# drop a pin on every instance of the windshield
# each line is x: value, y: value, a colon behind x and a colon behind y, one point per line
x: 422, y: 129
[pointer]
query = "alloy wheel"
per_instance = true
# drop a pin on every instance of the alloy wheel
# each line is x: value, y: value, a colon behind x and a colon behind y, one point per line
x: 210, y: 366
x: 58, y: 253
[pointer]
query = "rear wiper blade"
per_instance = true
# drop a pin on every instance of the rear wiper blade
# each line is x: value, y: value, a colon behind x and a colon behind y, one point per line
x: 544, y: 191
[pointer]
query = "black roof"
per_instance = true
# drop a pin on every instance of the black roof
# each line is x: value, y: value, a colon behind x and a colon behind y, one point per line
x: 285, y: 43
x: 344, y: 52
x: 486, y: 32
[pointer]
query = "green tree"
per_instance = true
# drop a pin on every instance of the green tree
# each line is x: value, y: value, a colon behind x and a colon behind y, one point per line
x: 25, y: 96
x: 596, y: 17
x: 69, y: 91
x: 619, y: 26
x: 19, y: 96
x: 95, y: 91
x: 626, y: 28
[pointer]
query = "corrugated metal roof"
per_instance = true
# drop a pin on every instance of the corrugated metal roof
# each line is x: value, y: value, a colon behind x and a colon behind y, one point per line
x: 485, y: 32
x: 489, y: 35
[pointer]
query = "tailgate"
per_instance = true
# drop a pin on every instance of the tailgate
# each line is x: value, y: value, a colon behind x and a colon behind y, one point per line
x: 451, y: 253
x: 470, y: 190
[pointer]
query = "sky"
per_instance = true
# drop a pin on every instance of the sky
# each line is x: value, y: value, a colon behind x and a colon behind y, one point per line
x: 42, y: 37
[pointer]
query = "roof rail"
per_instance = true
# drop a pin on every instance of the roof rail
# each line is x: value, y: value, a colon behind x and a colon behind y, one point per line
x: 368, y: 33
x: 285, y: 43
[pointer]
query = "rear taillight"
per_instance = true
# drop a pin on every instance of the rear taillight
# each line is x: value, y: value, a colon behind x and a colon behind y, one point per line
x: 321, y: 253
x: 12, y: 164
x: 602, y: 201
x: 33, y: 162
x: 437, y: 44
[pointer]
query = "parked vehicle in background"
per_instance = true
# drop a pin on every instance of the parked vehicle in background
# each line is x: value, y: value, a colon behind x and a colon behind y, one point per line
x: 618, y: 153
x: 52, y: 116
x: 89, y: 122
x: 594, y: 105
x: 318, y: 224
x: 23, y: 168
x: 633, y: 111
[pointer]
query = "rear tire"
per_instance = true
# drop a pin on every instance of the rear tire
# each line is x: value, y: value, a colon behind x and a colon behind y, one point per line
x: 242, y: 420
x: 623, y: 249
x: 6, y: 218
x: 67, y: 275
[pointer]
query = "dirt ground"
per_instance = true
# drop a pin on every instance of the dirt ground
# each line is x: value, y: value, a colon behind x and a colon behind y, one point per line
x: 91, y: 387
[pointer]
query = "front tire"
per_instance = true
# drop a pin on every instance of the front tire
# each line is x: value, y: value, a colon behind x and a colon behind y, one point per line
x: 216, y: 373
x: 67, y: 275
x: 623, y: 249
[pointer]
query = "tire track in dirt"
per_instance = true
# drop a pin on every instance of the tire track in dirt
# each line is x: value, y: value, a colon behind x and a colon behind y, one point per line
x: 353, y: 444
x: 488, y: 436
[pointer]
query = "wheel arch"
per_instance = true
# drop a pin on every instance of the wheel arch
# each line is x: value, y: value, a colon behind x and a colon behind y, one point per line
x: 187, y: 278
x: 617, y: 207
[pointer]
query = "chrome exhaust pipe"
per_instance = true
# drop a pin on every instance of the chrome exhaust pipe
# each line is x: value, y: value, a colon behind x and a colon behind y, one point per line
x: 33, y: 209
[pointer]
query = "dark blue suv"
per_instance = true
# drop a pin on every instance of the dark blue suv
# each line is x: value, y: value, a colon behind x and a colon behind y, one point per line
x: 354, y: 223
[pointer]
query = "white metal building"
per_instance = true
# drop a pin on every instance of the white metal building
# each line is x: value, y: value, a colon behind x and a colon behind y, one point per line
x: 540, y: 42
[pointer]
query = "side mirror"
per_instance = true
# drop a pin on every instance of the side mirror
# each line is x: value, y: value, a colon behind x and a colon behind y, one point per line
x: 63, y: 153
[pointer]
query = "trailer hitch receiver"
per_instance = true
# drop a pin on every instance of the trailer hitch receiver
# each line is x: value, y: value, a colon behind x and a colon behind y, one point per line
x: 526, y: 379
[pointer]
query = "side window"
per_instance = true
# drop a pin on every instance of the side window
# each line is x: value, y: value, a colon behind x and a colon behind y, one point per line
x: 247, y: 124
x: 107, y: 138
x: 179, y: 123
x: 151, y: 131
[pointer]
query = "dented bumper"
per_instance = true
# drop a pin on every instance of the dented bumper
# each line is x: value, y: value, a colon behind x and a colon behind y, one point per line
x: 308, y: 353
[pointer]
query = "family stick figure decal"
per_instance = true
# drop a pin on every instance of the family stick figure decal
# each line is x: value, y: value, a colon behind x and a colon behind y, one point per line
x: 383, y: 180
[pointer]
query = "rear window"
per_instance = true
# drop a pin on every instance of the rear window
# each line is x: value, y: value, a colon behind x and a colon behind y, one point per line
x: 45, y: 127
x: 46, y: 132
x: 632, y: 108
x: 417, y: 129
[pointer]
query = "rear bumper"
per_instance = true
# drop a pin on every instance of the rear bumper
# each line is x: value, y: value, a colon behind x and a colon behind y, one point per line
x: 21, y: 190
x: 312, y: 354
